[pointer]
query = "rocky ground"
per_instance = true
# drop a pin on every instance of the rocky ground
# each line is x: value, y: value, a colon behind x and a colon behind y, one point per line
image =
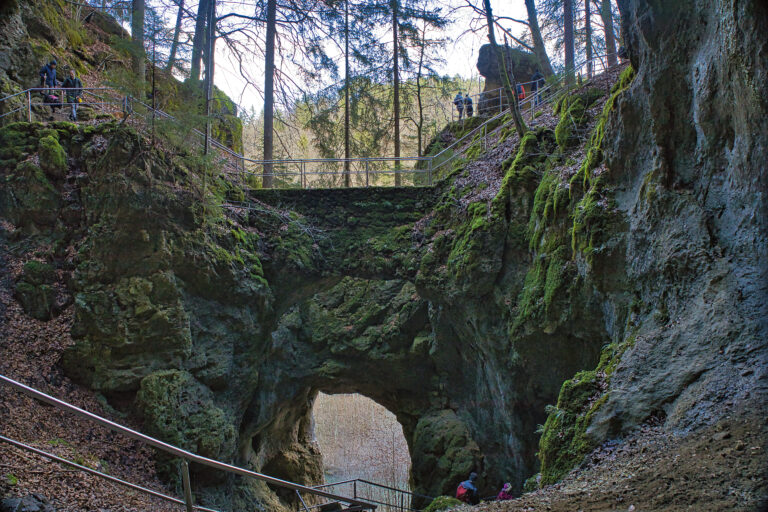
x: 718, y: 469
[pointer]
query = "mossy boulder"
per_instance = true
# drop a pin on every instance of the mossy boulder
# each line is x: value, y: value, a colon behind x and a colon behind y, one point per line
x: 442, y: 503
x: 53, y: 158
x: 180, y: 410
x: 444, y: 452
x: 27, y: 198
x: 35, y: 290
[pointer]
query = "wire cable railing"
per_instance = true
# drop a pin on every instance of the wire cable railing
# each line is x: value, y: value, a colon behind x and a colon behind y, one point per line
x: 186, y: 456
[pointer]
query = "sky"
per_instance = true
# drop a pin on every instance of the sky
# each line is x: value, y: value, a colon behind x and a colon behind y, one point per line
x: 460, y: 53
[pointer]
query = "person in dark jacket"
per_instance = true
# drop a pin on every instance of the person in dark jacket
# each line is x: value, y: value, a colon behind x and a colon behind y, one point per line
x: 459, y: 102
x: 74, y: 90
x: 468, y: 108
x: 48, y: 82
x: 537, y: 81
x: 471, y: 494
x: 506, y: 493
x: 48, y: 75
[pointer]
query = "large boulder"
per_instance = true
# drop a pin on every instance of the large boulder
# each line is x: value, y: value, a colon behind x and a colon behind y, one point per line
x: 523, y: 65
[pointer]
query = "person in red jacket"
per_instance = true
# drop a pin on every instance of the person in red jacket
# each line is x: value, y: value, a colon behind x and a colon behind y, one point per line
x: 506, y: 493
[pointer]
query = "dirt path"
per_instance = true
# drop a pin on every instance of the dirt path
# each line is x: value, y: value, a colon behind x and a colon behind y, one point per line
x: 722, y: 468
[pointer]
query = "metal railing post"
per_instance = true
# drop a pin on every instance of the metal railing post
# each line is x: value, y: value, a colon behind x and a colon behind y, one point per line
x: 301, y: 500
x: 429, y: 171
x: 29, y: 106
x: 354, y: 489
x: 187, y: 485
x: 366, y: 172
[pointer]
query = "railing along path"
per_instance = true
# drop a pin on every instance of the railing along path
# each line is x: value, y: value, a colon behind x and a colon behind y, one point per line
x: 313, y: 172
x: 184, y: 455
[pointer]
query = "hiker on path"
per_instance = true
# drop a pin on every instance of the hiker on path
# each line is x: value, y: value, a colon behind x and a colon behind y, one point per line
x: 506, y: 493
x: 74, y: 90
x: 467, y: 490
x: 459, y: 102
x: 468, y: 105
x: 537, y: 82
x: 48, y: 75
x: 48, y: 82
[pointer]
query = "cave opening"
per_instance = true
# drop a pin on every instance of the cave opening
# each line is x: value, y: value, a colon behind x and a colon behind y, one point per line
x: 361, y: 439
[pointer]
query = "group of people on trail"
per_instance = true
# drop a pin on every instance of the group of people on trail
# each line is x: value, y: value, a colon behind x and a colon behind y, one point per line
x: 72, y: 87
x: 464, y: 105
x: 468, y: 493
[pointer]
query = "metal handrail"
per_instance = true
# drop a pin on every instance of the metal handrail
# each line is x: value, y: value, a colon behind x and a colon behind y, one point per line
x: 174, y: 450
x: 240, y: 161
x: 105, y: 476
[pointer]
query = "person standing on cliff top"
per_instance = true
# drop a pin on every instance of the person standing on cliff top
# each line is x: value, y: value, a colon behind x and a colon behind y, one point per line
x: 537, y: 81
x: 459, y: 102
x: 468, y: 105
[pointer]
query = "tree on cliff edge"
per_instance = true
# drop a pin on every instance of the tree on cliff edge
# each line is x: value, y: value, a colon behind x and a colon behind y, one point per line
x: 508, y: 78
x: 137, y: 52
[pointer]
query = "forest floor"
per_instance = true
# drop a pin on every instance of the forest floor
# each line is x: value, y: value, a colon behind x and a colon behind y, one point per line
x: 31, y: 350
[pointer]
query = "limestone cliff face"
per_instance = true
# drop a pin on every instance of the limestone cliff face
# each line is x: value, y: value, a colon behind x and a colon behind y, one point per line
x: 615, y: 279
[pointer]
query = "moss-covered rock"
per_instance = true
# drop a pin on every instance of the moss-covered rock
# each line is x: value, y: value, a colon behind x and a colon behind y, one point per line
x: 183, y: 412
x: 53, y: 159
x: 35, y: 290
x: 442, y: 503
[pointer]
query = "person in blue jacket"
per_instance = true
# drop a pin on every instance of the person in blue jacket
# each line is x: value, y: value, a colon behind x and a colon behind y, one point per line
x: 48, y: 80
x: 48, y: 75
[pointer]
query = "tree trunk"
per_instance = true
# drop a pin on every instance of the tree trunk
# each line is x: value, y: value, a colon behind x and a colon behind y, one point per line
x: 209, y: 67
x: 508, y: 78
x: 199, y: 40
x: 538, y: 42
x: 420, y: 124
x: 269, y: 93
x: 588, y: 35
x: 610, y: 40
x: 569, y: 44
x: 347, y: 175
x: 175, y: 42
x: 137, y: 36
x: 396, y: 80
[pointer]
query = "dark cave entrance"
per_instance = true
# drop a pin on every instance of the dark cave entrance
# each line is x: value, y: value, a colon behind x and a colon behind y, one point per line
x: 361, y: 439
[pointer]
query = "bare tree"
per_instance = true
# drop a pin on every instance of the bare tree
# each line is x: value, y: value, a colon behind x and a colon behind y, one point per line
x: 176, y: 33
x: 137, y: 36
x: 269, y: 93
x: 538, y: 42
x: 570, y: 52
x: 606, y: 14
x: 588, y: 35
x: 394, y: 4
x: 199, y: 40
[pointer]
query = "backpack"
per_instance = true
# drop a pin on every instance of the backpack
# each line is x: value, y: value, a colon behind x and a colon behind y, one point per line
x: 462, y: 494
